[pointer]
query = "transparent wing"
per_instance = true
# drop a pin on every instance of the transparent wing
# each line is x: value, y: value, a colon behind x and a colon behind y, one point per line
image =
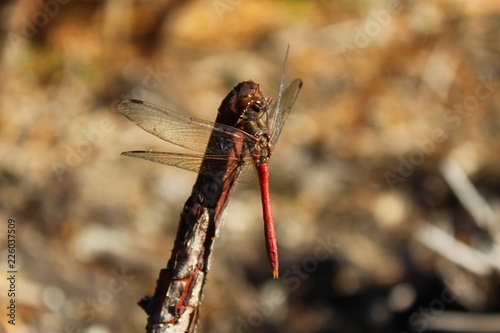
x: 194, y: 162
x: 190, y: 133
x: 281, y: 109
x: 191, y: 162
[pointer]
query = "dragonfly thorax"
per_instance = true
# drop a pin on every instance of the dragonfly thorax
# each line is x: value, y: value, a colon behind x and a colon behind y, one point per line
x: 262, y: 150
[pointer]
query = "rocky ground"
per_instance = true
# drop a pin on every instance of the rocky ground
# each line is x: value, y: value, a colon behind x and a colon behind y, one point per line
x: 385, y: 181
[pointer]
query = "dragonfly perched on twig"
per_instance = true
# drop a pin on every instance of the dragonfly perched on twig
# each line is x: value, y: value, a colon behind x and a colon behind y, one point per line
x: 241, y: 140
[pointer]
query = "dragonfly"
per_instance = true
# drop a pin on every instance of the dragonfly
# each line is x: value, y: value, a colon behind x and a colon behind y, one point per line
x: 241, y: 140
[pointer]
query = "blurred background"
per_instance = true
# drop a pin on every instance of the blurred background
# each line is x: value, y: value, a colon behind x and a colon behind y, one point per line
x: 385, y: 182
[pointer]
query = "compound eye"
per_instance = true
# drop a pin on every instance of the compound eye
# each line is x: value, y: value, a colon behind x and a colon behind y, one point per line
x: 256, y: 106
x: 244, y: 102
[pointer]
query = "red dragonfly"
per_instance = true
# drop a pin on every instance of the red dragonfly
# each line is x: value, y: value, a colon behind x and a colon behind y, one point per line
x: 242, y: 138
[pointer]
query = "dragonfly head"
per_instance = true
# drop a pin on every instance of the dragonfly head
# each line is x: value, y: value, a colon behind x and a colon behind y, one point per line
x: 251, y: 107
x: 245, y: 103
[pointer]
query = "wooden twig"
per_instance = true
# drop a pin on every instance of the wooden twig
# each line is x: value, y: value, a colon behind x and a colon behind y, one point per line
x: 450, y: 321
x: 448, y: 247
x: 175, y: 304
x: 241, y: 138
x: 468, y: 195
